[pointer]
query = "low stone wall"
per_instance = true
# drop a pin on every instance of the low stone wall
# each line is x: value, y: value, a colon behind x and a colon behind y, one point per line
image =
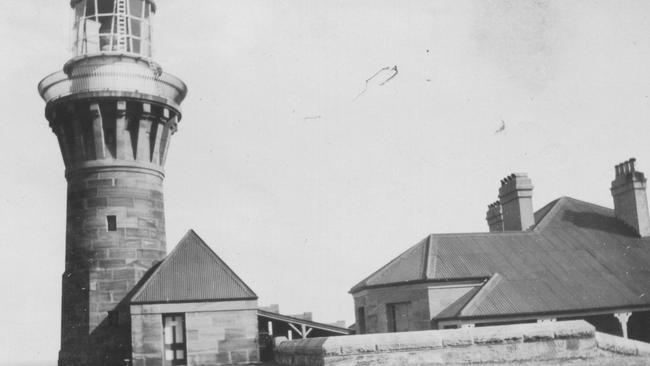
x: 622, y: 346
x: 498, y: 344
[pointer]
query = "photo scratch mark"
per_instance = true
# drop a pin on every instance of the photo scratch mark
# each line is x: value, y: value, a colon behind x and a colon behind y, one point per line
x: 393, y: 72
x: 502, y: 128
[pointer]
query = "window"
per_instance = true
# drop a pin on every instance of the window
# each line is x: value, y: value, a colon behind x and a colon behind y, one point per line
x: 361, y: 320
x: 174, y: 339
x: 398, y: 316
x: 112, y: 26
x: 111, y: 222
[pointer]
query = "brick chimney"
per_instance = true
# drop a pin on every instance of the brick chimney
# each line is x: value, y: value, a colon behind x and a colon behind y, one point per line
x: 516, y: 198
x: 630, y: 200
x: 494, y: 217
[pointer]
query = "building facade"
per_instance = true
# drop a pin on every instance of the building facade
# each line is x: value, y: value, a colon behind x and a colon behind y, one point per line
x: 192, y: 309
x: 113, y: 111
x: 568, y: 260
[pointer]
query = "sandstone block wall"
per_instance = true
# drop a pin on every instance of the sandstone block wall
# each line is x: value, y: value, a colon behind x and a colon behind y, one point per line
x: 374, y: 302
x: 222, y: 337
x: 102, y: 266
x: 114, y: 151
x: 147, y: 340
x: 513, y: 343
x: 217, y: 333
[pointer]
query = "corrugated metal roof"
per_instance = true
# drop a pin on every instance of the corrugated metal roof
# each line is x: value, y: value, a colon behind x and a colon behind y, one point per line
x: 408, y: 266
x: 192, y: 272
x: 578, y: 256
x: 265, y: 315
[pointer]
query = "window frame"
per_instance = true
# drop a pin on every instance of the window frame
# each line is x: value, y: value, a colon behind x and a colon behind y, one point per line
x: 111, y: 223
x: 175, y: 346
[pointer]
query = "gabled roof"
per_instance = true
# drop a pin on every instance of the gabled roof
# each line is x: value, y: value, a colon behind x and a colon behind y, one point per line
x: 192, y: 272
x: 578, y: 256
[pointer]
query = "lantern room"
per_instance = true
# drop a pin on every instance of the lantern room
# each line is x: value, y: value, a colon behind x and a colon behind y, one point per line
x: 112, y: 26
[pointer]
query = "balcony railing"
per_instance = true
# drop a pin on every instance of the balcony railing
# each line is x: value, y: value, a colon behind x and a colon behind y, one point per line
x: 136, y: 77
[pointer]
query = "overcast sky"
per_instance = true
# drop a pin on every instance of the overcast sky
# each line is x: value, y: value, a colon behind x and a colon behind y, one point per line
x: 302, y: 187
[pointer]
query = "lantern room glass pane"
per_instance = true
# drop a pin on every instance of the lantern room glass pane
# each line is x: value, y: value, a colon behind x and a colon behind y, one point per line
x: 90, y: 7
x: 135, y: 8
x: 105, y: 43
x: 106, y: 23
x: 106, y: 6
x: 135, y: 28
x: 135, y: 45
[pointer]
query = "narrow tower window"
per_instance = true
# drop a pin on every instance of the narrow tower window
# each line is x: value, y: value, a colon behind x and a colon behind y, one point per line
x: 111, y: 222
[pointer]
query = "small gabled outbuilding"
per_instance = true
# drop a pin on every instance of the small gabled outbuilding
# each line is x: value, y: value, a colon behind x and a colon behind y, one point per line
x: 192, y: 309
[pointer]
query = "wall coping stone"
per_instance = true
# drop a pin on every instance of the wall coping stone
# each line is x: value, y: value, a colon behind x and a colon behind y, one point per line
x: 436, y: 339
x: 622, y: 345
x: 517, y: 342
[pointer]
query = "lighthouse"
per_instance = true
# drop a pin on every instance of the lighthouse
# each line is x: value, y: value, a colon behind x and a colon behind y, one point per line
x: 113, y: 110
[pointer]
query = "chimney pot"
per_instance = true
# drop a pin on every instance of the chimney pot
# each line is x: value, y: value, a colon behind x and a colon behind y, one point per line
x: 630, y: 200
x: 516, y: 202
x: 494, y: 217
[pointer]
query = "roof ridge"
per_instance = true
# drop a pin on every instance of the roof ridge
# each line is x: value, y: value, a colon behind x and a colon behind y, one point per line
x: 434, y: 258
x: 546, y: 209
x: 543, y: 222
x: 230, y: 270
x: 425, y: 259
x: 363, y: 283
x: 559, y: 203
x: 191, y: 238
x: 488, y: 286
x: 587, y: 202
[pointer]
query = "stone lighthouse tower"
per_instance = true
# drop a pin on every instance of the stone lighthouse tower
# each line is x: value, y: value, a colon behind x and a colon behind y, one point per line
x: 113, y: 111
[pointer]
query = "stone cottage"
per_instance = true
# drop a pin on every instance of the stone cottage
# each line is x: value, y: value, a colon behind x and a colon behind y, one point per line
x: 192, y: 309
x: 568, y: 260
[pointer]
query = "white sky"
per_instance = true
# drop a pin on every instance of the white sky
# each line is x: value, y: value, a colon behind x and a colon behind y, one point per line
x: 304, y: 208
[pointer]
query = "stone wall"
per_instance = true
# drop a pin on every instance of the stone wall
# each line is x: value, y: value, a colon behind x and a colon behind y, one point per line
x: 374, y: 302
x: 498, y: 344
x: 217, y: 333
x: 114, y: 152
x: 102, y: 266
x: 222, y: 337
x: 147, y: 339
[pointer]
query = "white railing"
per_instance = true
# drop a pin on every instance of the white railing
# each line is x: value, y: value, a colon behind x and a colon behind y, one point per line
x: 113, y: 77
